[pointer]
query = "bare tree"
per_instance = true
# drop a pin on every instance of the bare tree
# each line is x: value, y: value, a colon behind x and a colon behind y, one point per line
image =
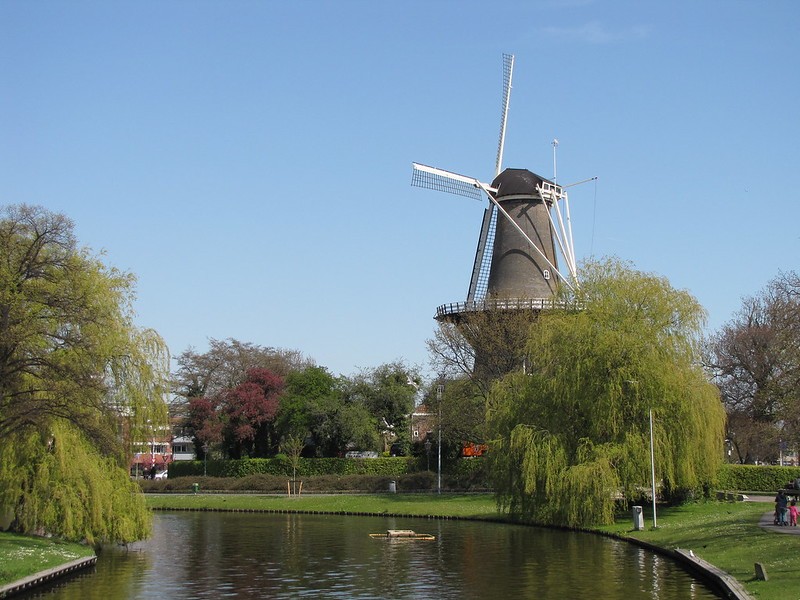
x: 482, y: 346
x: 755, y: 361
x: 225, y: 366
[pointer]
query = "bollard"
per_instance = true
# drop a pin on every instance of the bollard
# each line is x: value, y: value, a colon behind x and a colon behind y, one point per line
x: 638, y: 518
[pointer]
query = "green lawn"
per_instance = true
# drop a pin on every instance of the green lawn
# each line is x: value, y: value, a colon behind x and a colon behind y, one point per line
x: 453, y: 505
x: 725, y: 534
x: 21, y: 556
x: 728, y: 536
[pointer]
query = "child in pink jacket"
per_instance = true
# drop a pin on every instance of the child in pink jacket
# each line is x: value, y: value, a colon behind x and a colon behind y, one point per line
x: 793, y: 514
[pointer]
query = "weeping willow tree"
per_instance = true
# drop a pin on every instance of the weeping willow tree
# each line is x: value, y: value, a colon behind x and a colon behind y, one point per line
x: 78, y: 383
x: 572, y: 433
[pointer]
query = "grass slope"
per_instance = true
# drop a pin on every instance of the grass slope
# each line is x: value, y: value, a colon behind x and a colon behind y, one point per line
x: 450, y: 505
x: 728, y: 536
x: 21, y: 556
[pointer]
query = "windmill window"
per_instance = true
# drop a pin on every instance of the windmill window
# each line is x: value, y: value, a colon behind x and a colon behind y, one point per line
x: 546, y: 273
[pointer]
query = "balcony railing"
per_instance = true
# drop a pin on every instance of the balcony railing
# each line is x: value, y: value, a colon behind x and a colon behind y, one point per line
x: 460, y: 308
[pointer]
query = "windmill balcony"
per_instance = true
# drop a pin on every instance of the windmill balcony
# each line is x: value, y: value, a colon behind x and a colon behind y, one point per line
x: 455, y: 309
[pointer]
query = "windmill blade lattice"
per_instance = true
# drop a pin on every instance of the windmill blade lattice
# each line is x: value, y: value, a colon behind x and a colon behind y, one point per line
x: 479, y: 282
x: 508, y: 70
x: 440, y: 180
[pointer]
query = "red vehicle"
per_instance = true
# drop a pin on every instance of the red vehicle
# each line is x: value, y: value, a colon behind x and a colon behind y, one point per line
x: 468, y: 449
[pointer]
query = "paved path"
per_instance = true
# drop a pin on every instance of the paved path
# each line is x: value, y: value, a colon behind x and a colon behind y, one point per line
x: 767, y: 519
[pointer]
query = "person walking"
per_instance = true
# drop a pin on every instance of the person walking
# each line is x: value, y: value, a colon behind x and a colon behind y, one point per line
x: 793, y: 514
x: 780, y: 508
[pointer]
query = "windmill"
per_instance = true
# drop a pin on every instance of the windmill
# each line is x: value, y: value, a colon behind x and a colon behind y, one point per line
x: 516, y: 264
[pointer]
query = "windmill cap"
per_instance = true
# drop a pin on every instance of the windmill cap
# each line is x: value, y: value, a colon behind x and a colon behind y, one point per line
x: 517, y: 182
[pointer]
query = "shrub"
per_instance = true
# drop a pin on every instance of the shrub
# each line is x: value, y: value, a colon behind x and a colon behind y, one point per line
x: 468, y: 474
x: 273, y: 484
x: 754, y: 478
x: 390, y: 467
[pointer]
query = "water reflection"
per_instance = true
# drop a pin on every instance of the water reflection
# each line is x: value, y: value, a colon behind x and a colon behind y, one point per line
x: 217, y: 555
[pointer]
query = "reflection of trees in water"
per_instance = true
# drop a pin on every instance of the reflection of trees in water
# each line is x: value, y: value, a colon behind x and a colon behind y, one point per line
x: 534, y: 562
x: 210, y: 555
x: 402, y: 561
x: 198, y: 537
x: 114, y: 576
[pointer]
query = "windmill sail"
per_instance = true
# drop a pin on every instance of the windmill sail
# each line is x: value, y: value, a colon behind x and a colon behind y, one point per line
x: 516, y: 260
x: 508, y: 69
x: 479, y: 282
x: 440, y: 180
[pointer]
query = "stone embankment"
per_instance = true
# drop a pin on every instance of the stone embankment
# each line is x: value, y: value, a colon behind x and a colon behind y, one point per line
x: 37, y: 579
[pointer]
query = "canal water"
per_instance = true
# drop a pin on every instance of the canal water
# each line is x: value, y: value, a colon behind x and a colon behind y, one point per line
x: 246, y: 555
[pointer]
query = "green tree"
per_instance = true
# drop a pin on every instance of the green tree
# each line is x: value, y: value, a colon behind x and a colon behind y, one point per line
x: 314, y: 406
x: 462, y: 408
x: 306, y: 394
x: 388, y: 392
x: 78, y: 383
x: 572, y: 432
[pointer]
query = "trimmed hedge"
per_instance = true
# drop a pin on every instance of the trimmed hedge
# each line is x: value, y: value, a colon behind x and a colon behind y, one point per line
x: 388, y: 467
x: 468, y: 474
x: 413, y: 482
x: 755, y: 478
x: 374, y: 474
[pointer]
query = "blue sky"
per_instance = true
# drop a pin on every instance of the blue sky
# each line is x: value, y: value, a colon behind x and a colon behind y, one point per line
x: 250, y: 162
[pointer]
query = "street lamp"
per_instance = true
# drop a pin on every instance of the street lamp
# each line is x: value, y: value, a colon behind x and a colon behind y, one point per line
x: 653, y: 469
x: 635, y: 383
x: 205, y: 458
x: 428, y: 451
x: 439, y: 392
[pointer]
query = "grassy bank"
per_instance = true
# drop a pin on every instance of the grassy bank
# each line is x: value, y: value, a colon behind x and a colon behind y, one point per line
x: 725, y: 534
x: 728, y: 536
x: 21, y: 556
x: 452, y: 505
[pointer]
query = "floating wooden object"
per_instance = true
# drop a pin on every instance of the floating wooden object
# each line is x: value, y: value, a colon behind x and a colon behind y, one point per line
x: 402, y: 534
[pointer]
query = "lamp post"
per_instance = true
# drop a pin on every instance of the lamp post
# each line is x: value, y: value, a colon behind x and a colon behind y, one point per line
x: 653, y: 469
x: 439, y: 392
x: 635, y: 383
x: 428, y: 451
x: 152, y: 471
x: 205, y: 459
